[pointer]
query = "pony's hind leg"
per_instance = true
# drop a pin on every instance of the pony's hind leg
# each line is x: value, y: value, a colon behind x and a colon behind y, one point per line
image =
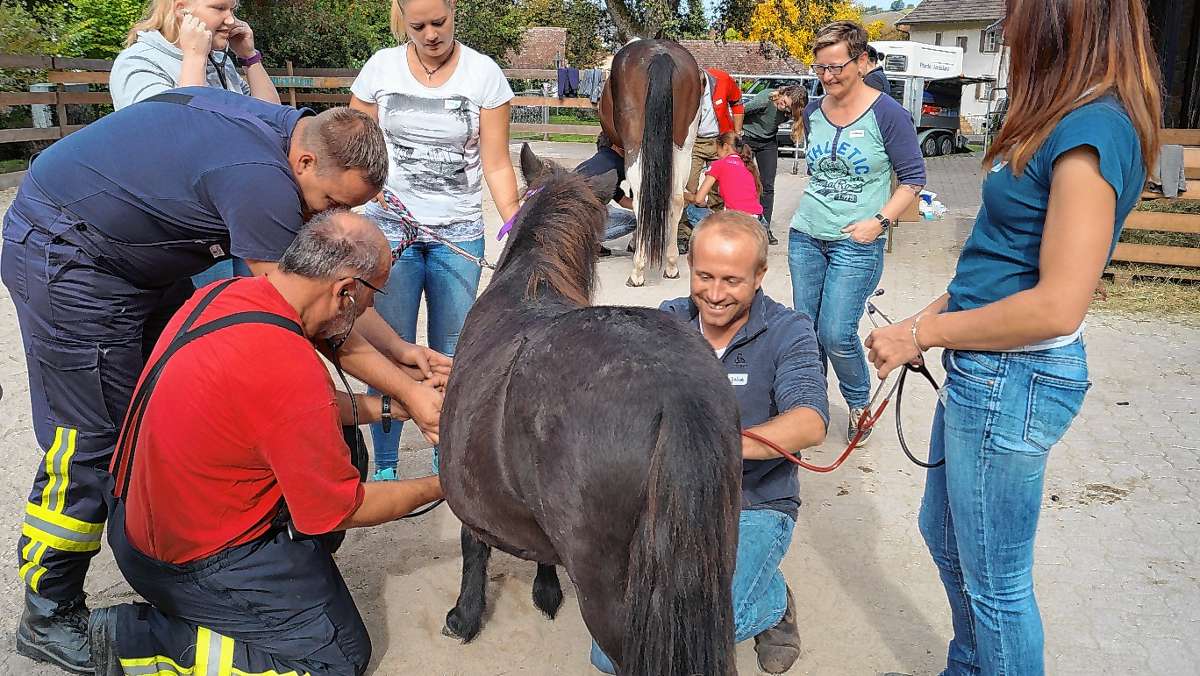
x: 633, y: 173
x: 547, y: 592
x: 466, y: 617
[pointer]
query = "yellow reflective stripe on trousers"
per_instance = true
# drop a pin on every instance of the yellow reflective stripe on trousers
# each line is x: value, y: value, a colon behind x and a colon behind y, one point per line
x: 60, y: 531
x: 64, y: 478
x: 214, y: 653
x: 63, y: 521
x: 153, y: 666
x: 31, y: 574
x: 51, y: 466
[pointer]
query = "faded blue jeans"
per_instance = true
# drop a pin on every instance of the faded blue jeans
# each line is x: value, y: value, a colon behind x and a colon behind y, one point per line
x: 831, y: 281
x: 449, y: 283
x: 1000, y: 413
x: 759, y: 590
x: 620, y: 222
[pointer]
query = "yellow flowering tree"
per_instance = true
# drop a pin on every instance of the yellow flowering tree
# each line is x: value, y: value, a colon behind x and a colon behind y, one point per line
x: 791, y: 25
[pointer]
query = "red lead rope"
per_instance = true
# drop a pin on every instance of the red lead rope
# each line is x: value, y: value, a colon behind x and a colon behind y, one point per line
x: 866, y: 422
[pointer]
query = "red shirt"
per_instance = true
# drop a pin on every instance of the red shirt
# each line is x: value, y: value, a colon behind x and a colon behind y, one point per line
x: 726, y: 98
x: 736, y: 185
x: 241, y: 419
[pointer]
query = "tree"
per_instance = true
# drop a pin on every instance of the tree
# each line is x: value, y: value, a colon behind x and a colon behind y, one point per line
x: 897, y: 5
x: 791, y: 25
x: 694, y: 24
x: 102, y: 25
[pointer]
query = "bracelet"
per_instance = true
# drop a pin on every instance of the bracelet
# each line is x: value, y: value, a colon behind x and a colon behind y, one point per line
x: 246, y: 63
x: 386, y: 418
x: 916, y: 342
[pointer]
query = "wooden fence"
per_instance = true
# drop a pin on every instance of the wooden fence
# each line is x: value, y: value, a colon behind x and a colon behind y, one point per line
x: 296, y: 86
x: 1158, y: 254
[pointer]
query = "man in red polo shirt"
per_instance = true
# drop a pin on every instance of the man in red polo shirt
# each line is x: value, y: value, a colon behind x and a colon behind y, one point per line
x: 721, y: 111
x: 233, y: 455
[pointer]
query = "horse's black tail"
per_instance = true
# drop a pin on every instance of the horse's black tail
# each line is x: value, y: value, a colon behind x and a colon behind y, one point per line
x: 679, y: 593
x: 657, y: 150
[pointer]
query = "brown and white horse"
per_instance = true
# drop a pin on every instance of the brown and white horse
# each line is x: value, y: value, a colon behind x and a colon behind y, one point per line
x: 649, y: 108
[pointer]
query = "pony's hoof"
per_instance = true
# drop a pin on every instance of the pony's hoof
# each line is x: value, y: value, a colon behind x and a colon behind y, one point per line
x: 630, y: 282
x: 547, y: 594
x: 458, y: 628
x: 667, y: 275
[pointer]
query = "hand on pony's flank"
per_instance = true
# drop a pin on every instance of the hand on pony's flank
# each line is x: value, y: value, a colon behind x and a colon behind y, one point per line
x: 892, y: 346
x: 424, y: 406
x: 428, y: 362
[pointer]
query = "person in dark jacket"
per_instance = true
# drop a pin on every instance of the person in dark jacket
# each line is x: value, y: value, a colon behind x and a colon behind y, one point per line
x: 875, y: 77
x: 770, y: 354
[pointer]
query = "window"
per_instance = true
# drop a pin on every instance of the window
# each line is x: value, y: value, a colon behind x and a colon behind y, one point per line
x: 962, y: 43
x: 989, y: 41
x: 983, y: 90
x: 937, y: 38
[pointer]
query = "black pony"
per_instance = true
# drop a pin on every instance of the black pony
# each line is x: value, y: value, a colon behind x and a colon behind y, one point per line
x: 601, y: 439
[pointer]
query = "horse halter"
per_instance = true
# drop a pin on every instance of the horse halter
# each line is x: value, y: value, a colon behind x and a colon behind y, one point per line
x: 871, y: 414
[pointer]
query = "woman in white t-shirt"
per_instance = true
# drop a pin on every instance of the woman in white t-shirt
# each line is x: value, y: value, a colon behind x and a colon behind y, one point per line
x: 444, y: 110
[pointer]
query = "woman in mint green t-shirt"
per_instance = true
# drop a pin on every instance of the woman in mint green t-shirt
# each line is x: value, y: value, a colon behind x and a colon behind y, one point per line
x: 856, y: 138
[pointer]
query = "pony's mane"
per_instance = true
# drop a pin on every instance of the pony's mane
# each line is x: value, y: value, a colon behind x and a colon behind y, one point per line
x: 560, y: 226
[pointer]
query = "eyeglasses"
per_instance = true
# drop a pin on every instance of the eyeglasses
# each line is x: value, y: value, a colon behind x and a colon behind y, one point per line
x: 369, y: 285
x: 819, y: 68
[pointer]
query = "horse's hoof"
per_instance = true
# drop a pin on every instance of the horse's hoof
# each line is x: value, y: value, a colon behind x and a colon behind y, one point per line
x: 630, y: 282
x: 667, y: 275
x: 547, y: 593
x: 455, y: 627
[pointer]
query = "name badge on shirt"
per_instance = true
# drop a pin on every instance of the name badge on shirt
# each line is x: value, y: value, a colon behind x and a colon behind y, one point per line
x: 999, y: 166
x: 216, y: 251
x: 717, y: 102
x: 858, y: 133
x: 739, y: 379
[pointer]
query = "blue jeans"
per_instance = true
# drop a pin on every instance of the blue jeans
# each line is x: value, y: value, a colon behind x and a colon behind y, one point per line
x: 449, y: 283
x: 831, y: 281
x: 759, y: 590
x: 695, y: 214
x: 1000, y: 413
x: 621, y: 222
x: 230, y: 267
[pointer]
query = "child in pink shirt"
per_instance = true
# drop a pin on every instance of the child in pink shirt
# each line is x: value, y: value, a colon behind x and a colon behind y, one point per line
x: 735, y: 175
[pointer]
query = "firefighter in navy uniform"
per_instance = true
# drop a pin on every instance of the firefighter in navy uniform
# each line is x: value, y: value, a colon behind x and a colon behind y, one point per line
x: 99, y: 245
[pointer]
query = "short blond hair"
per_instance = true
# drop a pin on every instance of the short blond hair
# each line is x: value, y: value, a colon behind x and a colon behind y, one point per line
x: 396, y: 20
x: 850, y: 32
x: 729, y: 222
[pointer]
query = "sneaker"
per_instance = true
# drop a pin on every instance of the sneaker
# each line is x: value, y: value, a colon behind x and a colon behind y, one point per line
x: 852, y: 427
x: 384, y: 474
x: 55, y: 632
x: 102, y: 632
x: 683, y: 247
x: 771, y: 239
x: 778, y: 648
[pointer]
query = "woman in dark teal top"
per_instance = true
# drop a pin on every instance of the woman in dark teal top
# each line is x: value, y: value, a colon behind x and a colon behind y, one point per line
x: 1067, y: 168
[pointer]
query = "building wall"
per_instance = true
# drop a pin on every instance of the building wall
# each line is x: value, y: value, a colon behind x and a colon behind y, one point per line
x: 540, y: 48
x: 974, y: 108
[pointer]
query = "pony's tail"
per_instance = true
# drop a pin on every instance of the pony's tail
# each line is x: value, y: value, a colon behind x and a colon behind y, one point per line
x: 679, y: 593
x: 656, y: 153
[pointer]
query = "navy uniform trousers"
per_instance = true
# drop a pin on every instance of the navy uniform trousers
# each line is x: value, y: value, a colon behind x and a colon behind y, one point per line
x: 86, y: 332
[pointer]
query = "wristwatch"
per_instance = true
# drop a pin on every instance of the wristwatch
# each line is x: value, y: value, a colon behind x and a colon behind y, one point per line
x: 386, y: 418
x: 884, y: 220
x: 246, y: 63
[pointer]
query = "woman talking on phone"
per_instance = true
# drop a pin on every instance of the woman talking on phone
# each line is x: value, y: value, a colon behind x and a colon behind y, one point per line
x: 1067, y: 168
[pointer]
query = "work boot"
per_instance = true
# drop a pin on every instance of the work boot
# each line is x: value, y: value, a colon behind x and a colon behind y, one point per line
x: 55, y: 632
x: 102, y: 632
x: 778, y: 648
x: 771, y: 239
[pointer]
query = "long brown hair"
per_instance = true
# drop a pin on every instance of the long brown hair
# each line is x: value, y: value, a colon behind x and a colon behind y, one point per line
x: 798, y: 96
x: 1066, y: 53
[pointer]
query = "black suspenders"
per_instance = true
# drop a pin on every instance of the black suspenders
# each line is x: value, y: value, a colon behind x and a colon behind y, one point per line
x: 127, y: 442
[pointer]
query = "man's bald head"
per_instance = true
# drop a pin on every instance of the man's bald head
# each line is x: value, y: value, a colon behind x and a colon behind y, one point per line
x: 337, y: 243
x: 727, y: 229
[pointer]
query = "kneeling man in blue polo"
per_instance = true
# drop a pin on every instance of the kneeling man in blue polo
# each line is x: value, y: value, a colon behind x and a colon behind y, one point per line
x: 770, y: 353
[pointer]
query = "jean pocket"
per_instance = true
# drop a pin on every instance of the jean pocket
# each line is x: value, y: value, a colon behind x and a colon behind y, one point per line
x: 979, y: 367
x: 1053, y: 404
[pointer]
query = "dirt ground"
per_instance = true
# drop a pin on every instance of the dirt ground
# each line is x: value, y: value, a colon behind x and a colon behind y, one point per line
x: 1117, y: 550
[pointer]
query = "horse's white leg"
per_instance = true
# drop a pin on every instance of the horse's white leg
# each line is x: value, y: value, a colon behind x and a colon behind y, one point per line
x: 633, y: 174
x: 681, y: 165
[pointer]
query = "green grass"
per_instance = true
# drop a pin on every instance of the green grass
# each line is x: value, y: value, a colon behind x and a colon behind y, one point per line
x: 1168, y: 206
x: 8, y: 166
x: 1186, y: 239
x: 563, y: 138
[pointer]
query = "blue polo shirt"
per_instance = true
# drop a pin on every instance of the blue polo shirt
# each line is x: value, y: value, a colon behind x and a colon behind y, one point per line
x: 774, y: 367
x: 171, y: 186
x: 1001, y: 257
